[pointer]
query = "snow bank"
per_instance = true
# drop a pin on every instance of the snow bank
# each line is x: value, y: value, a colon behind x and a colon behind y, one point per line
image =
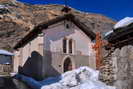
x: 82, y: 78
x: 124, y: 22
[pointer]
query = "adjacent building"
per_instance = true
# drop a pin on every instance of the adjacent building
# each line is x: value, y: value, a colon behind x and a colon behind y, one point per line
x: 6, y: 62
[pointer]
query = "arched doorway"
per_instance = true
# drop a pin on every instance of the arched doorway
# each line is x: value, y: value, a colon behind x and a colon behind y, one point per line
x: 67, y: 66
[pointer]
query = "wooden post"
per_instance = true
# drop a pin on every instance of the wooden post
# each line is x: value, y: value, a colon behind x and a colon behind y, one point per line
x: 98, y: 48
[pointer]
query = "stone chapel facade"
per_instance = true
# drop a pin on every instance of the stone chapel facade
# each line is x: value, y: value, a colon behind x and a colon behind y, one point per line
x: 65, y: 44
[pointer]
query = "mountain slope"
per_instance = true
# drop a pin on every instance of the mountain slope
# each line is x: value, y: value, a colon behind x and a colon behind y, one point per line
x: 17, y: 19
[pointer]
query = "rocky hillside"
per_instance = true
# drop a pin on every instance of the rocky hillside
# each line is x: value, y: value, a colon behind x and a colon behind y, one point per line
x: 17, y: 19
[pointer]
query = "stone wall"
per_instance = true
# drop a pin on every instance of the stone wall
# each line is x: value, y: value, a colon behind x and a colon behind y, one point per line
x: 107, y: 68
x: 121, y: 67
x: 124, y: 71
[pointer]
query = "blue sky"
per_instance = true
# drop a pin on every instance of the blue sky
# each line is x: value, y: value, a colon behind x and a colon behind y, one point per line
x: 115, y: 9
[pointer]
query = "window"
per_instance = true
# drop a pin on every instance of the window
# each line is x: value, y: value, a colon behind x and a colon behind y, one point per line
x: 64, y: 45
x: 70, y: 46
x: 67, y: 46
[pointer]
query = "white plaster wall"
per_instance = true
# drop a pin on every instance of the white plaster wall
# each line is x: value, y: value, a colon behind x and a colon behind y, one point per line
x: 16, y: 61
x: 30, y: 47
x: 54, y: 35
x: 24, y: 53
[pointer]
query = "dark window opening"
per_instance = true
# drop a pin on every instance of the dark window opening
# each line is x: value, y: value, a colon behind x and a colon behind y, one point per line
x: 67, y: 26
x: 64, y: 45
x: 70, y: 46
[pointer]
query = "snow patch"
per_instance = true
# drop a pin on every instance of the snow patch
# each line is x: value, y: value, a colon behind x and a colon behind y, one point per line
x: 4, y: 52
x: 82, y: 78
x: 108, y: 33
x: 2, y: 6
x: 124, y: 22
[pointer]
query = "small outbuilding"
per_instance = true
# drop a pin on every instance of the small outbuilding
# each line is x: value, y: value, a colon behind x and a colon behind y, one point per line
x: 5, y: 61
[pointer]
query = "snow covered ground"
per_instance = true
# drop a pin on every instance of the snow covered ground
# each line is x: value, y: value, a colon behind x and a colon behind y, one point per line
x: 124, y: 22
x: 81, y: 78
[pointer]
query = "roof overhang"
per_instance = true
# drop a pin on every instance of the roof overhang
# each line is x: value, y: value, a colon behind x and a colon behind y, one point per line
x: 43, y: 26
x: 121, y: 36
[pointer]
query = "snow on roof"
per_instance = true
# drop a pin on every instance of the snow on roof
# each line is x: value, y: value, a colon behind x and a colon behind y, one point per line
x: 4, y: 52
x: 108, y: 33
x: 81, y: 78
x: 124, y: 22
x: 2, y: 6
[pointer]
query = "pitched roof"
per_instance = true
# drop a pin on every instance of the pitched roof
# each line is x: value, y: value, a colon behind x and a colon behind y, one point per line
x: 38, y: 29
